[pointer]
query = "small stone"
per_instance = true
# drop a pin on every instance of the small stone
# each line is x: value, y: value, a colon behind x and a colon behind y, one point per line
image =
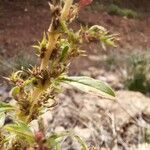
x: 25, y: 9
x: 86, y: 73
x: 102, y: 78
x: 83, y: 132
x: 34, y: 126
x: 59, y: 129
x: 47, y: 117
x: 94, y: 58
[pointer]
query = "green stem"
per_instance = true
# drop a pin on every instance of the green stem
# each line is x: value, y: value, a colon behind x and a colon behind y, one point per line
x: 50, y: 46
x: 66, y: 9
x: 53, y: 36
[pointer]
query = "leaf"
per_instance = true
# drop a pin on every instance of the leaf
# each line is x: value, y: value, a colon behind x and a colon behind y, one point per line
x: 44, y: 41
x: 15, y: 91
x: 84, y: 147
x: 90, y: 85
x: 97, y: 28
x: 55, y: 139
x: 22, y: 130
x: 64, y: 53
x: 4, y: 107
x: 30, y: 84
x: 36, y: 47
x: 2, y: 119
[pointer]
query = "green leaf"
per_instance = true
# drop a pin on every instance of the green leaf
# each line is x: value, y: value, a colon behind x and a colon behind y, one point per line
x: 97, y: 28
x: 44, y: 41
x: 4, y: 107
x: 2, y: 119
x: 90, y: 85
x: 84, y: 147
x: 55, y: 140
x: 36, y: 47
x: 64, y: 53
x: 15, y: 91
x: 21, y: 130
x: 108, y: 41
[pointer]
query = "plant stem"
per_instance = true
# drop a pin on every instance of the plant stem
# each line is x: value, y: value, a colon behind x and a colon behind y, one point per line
x: 66, y: 9
x: 53, y: 36
x: 52, y: 39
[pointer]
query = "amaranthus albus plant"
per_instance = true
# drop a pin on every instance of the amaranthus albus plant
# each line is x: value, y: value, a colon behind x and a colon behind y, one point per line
x: 35, y: 89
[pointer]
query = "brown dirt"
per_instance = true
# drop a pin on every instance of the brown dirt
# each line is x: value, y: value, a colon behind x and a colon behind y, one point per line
x: 22, y: 24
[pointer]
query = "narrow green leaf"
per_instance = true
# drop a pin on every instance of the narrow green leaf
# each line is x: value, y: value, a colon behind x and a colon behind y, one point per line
x: 15, y: 91
x: 36, y: 47
x: 2, y: 119
x: 55, y: 140
x: 22, y: 130
x: 4, y: 107
x: 44, y: 41
x: 64, y: 53
x: 82, y: 143
x: 90, y: 85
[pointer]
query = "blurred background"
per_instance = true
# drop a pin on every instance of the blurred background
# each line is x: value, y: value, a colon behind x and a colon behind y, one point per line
x: 126, y: 68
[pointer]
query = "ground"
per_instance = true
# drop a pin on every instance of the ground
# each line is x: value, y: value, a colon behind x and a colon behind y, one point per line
x: 23, y: 23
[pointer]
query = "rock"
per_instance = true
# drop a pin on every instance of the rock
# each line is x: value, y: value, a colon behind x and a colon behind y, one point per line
x: 47, y: 117
x: 111, y: 79
x: 140, y: 147
x: 102, y: 78
x: 83, y: 132
x: 34, y: 126
x: 95, y: 72
x: 59, y: 129
x: 86, y: 73
x: 94, y: 116
x: 95, y: 58
x: 3, y: 93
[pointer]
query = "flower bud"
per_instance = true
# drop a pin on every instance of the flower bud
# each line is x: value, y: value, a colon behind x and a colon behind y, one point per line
x: 83, y: 3
x: 39, y: 136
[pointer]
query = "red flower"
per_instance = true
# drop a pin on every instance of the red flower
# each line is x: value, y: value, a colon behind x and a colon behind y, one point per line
x: 39, y: 136
x: 83, y: 3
